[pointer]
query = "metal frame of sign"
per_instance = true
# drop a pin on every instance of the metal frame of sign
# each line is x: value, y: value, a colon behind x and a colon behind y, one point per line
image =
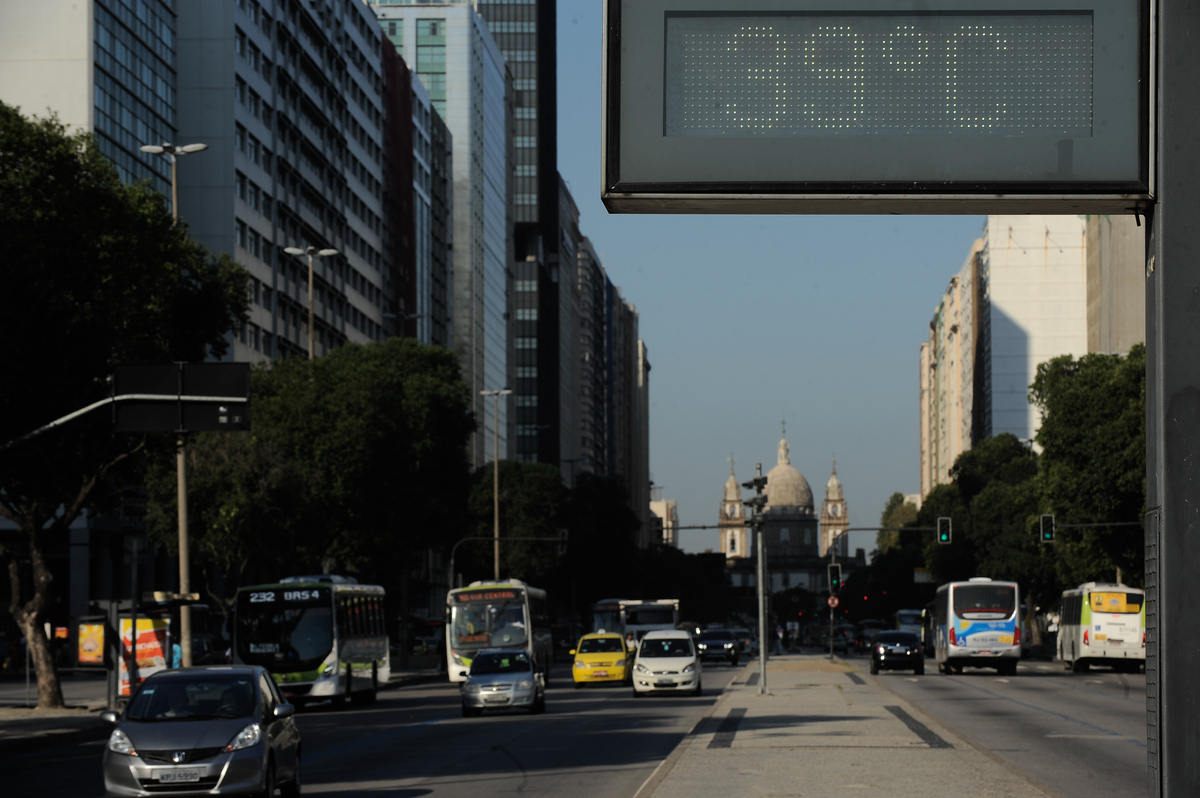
x: 623, y: 195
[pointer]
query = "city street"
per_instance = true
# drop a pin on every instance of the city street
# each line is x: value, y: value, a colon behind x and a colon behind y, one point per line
x: 1077, y: 734
x: 414, y: 742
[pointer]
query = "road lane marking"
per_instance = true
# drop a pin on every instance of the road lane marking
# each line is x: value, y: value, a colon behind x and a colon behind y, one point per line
x: 376, y: 738
x: 728, y: 729
x: 1003, y: 681
x: 918, y: 728
x: 1108, y: 732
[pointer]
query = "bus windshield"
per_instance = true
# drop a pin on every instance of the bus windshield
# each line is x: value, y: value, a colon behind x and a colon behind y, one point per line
x: 607, y: 619
x: 1120, y: 603
x: 476, y: 625
x: 909, y: 618
x: 283, y: 635
x: 984, y: 602
x: 649, y: 617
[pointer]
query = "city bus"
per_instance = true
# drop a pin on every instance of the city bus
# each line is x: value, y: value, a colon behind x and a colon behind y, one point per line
x: 320, y: 637
x: 635, y: 615
x: 1103, y: 624
x: 976, y: 624
x: 496, y: 615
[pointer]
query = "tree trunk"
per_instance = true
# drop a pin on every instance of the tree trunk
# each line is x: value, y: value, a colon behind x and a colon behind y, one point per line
x: 29, y: 616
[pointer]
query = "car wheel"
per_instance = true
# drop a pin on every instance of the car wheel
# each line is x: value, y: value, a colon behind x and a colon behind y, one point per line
x: 919, y: 669
x: 578, y: 685
x: 734, y: 661
x: 699, y: 689
x: 1079, y: 666
x: 874, y: 668
x: 292, y: 788
x: 269, y: 781
x: 636, y: 694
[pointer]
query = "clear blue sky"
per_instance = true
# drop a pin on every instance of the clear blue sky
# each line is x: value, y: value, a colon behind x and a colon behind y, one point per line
x: 750, y: 320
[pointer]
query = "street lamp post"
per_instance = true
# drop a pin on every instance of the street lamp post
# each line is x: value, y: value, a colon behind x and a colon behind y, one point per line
x: 172, y: 154
x: 311, y: 252
x: 496, y: 474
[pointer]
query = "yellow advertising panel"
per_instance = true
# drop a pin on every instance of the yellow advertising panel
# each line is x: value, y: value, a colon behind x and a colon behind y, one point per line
x: 91, y: 644
x: 151, y: 650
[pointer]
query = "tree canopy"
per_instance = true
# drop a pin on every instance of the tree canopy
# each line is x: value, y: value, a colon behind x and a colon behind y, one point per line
x: 96, y: 274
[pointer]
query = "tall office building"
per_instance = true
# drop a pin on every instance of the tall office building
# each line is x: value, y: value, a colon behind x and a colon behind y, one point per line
x: 433, y: 203
x: 107, y: 67
x: 288, y: 96
x: 1029, y: 290
x: 458, y: 61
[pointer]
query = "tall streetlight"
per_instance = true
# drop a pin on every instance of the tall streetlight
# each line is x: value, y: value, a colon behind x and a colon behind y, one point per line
x: 496, y: 472
x: 172, y: 153
x: 311, y: 252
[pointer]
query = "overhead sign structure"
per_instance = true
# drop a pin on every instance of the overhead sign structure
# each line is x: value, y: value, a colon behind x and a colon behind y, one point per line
x: 877, y: 106
x: 182, y: 397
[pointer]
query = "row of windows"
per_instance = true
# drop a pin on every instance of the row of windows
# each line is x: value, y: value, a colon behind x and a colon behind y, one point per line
x: 526, y: 343
x: 526, y: 372
x: 254, y: 56
x: 526, y: 170
x: 525, y: 199
x: 258, y: 199
x: 152, y: 21
x: 517, y: 56
x: 512, y: 27
x: 525, y: 285
x: 360, y: 616
x: 249, y: 144
x: 525, y: 141
x: 527, y: 314
x: 255, y: 104
x: 527, y: 401
x: 134, y: 67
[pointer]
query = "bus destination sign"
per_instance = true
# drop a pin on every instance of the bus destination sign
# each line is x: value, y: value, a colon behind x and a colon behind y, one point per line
x: 937, y: 106
x: 487, y: 595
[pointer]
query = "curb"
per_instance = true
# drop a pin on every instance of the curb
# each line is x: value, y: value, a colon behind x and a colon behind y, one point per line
x: 667, y: 765
x: 408, y: 681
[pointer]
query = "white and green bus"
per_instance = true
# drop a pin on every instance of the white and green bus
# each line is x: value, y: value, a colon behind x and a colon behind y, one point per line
x: 1102, y: 624
x: 321, y: 637
x: 508, y: 614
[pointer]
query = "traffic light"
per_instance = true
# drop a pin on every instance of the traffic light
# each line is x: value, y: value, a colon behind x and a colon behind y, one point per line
x: 835, y: 577
x: 944, y: 530
x: 1047, y: 528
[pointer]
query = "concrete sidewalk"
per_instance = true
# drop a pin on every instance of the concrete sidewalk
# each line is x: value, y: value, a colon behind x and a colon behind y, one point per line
x: 26, y: 731
x: 826, y: 729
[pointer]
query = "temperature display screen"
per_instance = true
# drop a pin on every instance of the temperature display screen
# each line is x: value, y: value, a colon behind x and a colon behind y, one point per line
x: 879, y: 74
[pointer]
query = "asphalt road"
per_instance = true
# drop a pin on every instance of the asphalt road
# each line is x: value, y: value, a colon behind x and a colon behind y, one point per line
x: 1075, y: 734
x: 414, y: 742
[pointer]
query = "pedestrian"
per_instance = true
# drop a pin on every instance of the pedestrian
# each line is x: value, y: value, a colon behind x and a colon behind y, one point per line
x: 779, y: 640
x: 176, y: 655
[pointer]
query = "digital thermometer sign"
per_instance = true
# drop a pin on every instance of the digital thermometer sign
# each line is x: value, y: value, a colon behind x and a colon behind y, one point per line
x: 901, y: 107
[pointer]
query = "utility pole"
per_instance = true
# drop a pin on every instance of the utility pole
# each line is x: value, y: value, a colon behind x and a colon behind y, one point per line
x: 758, y: 505
x: 496, y: 473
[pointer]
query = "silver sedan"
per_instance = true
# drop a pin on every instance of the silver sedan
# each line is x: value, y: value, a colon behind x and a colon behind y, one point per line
x: 503, y: 679
x: 217, y: 730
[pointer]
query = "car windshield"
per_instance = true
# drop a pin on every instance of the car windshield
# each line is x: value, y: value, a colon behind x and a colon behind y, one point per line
x: 196, y: 697
x: 906, y: 638
x: 984, y: 602
x: 500, y: 663
x: 908, y: 618
x: 284, y: 634
x: 715, y: 634
x: 666, y: 647
x: 601, y: 645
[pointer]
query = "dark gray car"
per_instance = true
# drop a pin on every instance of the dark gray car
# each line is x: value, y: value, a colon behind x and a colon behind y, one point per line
x: 218, y: 730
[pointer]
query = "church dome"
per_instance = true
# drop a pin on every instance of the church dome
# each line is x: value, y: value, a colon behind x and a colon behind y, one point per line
x: 787, y: 487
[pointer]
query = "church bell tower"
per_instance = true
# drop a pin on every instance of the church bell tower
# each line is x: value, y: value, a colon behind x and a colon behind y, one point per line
x: 834, y: 520
x: 735, y: 538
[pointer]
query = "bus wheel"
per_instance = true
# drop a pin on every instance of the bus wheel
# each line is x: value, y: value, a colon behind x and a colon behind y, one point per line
x: 1079, y: 666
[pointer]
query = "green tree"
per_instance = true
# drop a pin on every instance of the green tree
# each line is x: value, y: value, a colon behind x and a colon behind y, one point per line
x: 896, y: 513
x: 1093, y: 464
x: 354, y: 460
x: 102, y: 275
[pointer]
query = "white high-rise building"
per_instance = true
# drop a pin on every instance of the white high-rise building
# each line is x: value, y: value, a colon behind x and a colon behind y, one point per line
x: 451, y: 50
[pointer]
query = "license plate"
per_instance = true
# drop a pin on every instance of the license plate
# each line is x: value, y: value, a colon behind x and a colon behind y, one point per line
x: 1112, y: 642
x: 599, y: 673
x: 664, y: 683
x: 496, y: 700
x: 177, y: 776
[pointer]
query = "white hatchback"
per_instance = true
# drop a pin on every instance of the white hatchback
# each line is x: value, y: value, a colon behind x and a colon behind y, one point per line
x: 666, y: 661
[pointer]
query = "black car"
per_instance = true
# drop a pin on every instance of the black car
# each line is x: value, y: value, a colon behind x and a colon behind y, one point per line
x: 864, y: 634
x: 718, y: 644
x: 897, y: 651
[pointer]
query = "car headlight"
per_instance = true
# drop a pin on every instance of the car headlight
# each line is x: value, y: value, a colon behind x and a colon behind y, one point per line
x: 690, y: 668
x: 470, y: 687
x: 120, y: 743
x: 579, y: 664
x: 702, y: 646
x: 881, y: 650
x: 328, y: 670
x: 640, y: 668
x: 524, y: 684
x: 454, y: 656
x: 245, y: 738
x: 620, y: 663
x: 729, y: 645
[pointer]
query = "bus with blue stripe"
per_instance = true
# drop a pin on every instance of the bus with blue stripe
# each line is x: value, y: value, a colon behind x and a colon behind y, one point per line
x: 977, y: 624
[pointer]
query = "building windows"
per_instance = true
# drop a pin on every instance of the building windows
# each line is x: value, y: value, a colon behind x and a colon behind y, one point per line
x: 526, y: 343
x: 525, y: 285
x: 527, y: 429
x: 239, y: 138
x: 240, y: 234
x: 526, y: 170
x: 239, y: 91
x: 526, y: 372
x: 527, y: 314
x: 525, y: 199
x: 525, y: 84
x: 254, y: 150
x: 524, y: 141
x: 518, y: 56
x: 239, y: 186
x: 431, y: 60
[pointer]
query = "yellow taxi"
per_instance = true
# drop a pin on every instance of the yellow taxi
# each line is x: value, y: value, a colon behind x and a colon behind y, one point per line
x: 601, y: 657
